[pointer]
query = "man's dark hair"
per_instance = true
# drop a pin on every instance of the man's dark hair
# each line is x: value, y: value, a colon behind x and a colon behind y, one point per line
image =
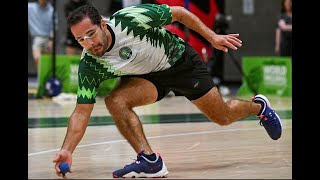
x: 82, y: 12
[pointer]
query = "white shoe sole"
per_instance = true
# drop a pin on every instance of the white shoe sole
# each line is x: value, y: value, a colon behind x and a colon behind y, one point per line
x: 162, y: 173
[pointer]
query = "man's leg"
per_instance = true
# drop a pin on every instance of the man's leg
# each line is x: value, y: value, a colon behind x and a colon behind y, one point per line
x: 224, y: 113
x: 130, y: 93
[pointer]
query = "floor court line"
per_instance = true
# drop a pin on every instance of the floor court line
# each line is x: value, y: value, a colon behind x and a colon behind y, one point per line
x: 153, y: 137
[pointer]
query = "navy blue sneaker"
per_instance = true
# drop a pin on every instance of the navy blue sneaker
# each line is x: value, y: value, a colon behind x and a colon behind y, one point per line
x: 143, y: 168
x: 268, y: 117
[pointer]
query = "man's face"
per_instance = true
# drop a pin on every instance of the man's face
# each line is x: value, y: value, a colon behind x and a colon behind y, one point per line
x: 91, y: 37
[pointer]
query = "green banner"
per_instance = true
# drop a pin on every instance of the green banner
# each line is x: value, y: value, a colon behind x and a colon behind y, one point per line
x: 266, y: 75
x: 67, y: 73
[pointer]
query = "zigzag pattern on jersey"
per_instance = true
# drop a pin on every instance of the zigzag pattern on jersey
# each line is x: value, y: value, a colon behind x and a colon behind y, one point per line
x: 87, y: 93
x: 159, y: 11
x: 83, y: 92
x: 138, y: 18
x: 157, y: 37
x: 107, y: 65
x: 86, y: 80
x: 105, y: 69
x: 160, y: 37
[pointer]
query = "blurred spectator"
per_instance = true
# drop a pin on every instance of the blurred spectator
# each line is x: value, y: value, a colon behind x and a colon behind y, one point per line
x: 283, y: 45
x: 40, y: 24
x: 72, y: 46
x: 127, y: 3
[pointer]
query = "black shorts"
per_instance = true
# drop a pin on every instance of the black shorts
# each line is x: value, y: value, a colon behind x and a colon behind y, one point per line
x: 188, y: 77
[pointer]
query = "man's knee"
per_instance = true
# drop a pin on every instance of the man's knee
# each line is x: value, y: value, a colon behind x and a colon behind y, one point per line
x: 114, y: 102
x: 222, y: 121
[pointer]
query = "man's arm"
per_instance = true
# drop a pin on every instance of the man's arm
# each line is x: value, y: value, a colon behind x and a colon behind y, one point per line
x: 78, y: 123
x: 221, y: 42
x: 77, y: 126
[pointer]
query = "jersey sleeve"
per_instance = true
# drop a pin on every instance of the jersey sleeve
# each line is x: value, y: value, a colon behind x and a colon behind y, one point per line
x: 144, y: 16
x: 87, y: 85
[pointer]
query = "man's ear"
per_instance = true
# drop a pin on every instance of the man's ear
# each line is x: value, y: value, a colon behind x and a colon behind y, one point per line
x: 103, y: 25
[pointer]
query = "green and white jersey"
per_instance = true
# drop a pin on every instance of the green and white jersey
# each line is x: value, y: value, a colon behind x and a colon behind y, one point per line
x: 140, y: 46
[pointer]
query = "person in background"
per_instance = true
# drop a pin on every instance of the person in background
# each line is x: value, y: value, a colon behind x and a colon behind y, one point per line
x: 71, y: 45
x: 40, y: 24
x: 128, y: 3
x: 283, y: 45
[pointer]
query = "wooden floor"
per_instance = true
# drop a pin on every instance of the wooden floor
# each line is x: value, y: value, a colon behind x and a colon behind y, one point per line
x: 191, y: 149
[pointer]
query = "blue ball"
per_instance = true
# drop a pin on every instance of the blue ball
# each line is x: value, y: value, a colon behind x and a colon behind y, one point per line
x: 64, y: 168
x: 53, y: 87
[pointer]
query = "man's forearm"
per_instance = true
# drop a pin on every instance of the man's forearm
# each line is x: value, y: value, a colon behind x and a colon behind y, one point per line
x: 76, y: 128
x: 191, y: 21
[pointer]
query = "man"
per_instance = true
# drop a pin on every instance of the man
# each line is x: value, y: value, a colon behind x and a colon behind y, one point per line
x: 152, y: 62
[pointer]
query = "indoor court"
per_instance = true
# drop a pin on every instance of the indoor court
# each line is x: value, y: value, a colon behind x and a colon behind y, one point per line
x: 190, y: 145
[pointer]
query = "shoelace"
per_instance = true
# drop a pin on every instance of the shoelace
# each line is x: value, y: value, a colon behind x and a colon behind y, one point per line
x: 135, y: 161
x: 268, y: 117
